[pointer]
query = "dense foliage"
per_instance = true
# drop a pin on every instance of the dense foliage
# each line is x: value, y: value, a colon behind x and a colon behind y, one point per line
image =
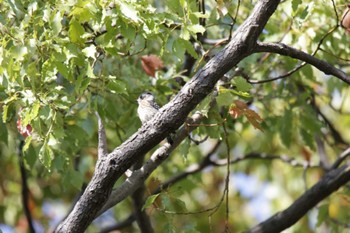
x: 281, y: 122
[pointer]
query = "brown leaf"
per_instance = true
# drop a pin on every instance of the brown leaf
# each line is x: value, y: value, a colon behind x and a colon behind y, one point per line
x: 345, y: 20
x: 241, y: 105
x: 241, y: 108
x: 151, y: 63
x: 254, y: 119
x: 235, y: 112
x: 306, y: 154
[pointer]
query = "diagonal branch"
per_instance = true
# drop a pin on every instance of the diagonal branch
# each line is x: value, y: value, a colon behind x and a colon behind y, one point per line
x: 102, y: 142
x: 330, y: 183
x: 289, y: 51
x: 170, y: 117
x: 138, y: 177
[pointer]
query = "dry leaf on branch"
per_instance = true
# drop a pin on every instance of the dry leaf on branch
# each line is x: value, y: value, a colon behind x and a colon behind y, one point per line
x: 151, y: 63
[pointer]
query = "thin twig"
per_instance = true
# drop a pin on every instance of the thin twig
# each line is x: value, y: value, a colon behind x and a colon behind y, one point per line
x: 25, y: 190
x: 227, y: 179
x: 286, y: 50
x: 286, y: 75
x: 142, y: 218
x: 341, y: 158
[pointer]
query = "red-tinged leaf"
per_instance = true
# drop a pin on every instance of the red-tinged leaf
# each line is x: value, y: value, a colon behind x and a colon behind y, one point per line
x: 254, y: 119
x: 345, y: 20
x: 241, y: 105
x: 305, y: 152
x: 241, y: 108
x: 235, y: 112
x: 151, y: 64
x: 25, y: 131
x: 252, y: 114
x: 238, y: 109
x: 22, y: 225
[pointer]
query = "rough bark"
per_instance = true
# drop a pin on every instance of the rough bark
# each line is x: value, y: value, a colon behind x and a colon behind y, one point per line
x: 110, y: 168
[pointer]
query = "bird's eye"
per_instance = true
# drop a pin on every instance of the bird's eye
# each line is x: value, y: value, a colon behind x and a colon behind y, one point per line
x: 145, y: 95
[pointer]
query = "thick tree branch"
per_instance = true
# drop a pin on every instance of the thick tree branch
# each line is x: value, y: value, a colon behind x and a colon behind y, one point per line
x: 286, y: 50
x: 110, y: 168
x: 139, y: 176
x: 331, y: 182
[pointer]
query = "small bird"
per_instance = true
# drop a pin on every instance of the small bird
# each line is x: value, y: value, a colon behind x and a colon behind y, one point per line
x: 148, y: 107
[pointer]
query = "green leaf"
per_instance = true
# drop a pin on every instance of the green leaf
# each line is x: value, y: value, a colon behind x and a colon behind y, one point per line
x: 166, y: 202
x: 309, y: 120
x: 77, y: 135
x: 189, y: 48
x: 129, y: 12
x: 179, y: 49
x: 90, y: 51
x: 81, y: 84
x: 286, y: 128
x: 185, y: 146
x: 4, y: 113
x: 295, y: 5
x: 28, y: 140
x: 307, y: 10
x: 76, y: 179
x: 225, y: 98
x: 322, y: 214
x: 30, y: 156
x: 56, y: 24
x: 46, y: 155
x: 3, y: 133
x: 242, y: 84
x: 150, y: 200
x: 241, y: 93
x: 308, y: 138
x: 58, y: 163
x: 307, y: 72
x: 18, y: 52
x: 117, y: 86
x: 76, y: 31
x: 89, y: 71
x: 128, y: 31
x: 179, y: 205
x: 169, y: 228
x: 196, y: 28
x: 31, y: 114
x: 183, y: 4
x: 173, y: 6
x: 204, y: 106
x: 201, y: 15
x: 84, y: 11
x: 185, y: 33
